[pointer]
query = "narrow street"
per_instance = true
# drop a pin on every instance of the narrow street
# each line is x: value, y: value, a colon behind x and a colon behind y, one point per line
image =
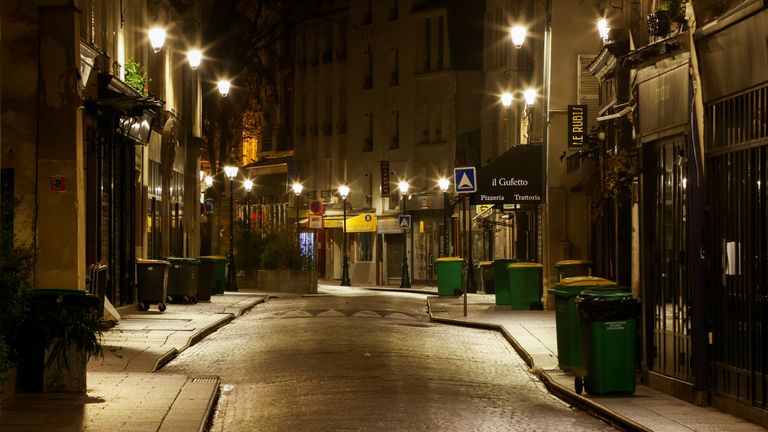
x: 357, y: 360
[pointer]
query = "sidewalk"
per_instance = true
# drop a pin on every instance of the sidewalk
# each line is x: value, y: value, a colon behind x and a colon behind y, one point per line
x: 533, y: 335
x: 122, y: 393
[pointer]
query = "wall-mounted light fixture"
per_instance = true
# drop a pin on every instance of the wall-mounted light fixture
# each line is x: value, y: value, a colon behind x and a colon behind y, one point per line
x: 157, y: 38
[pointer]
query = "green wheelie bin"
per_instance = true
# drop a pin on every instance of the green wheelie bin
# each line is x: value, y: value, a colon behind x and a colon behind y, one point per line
x: 525, y: 285
x: 213, y: 269
x: 571, y: 268
x: 608, y: 347
x: 449, y: 275
x: 501, y: 280
x: 567, y: 316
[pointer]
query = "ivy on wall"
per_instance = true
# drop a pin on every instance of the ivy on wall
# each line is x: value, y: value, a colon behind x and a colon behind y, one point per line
x: 135, y: 76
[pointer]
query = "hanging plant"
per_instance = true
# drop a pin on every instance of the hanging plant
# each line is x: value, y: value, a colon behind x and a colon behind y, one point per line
x: 135, y: 76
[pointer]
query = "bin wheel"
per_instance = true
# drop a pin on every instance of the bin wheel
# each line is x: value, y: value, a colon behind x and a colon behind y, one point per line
x: 143, y: 306
x: 161, y: 307
x: 578, y: 384
x: 194, y: 299
x: 186, y: 300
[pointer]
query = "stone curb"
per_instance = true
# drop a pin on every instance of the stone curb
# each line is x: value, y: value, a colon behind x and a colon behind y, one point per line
x: 556, y: 389
x: 205, y: 331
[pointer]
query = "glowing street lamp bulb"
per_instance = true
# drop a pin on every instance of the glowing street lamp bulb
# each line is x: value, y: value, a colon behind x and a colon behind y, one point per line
x: 297, y: 188
x: 231, y: 171
x: 518, y: 34
x: 248, y: 185
x: 506, y: 99
x: 444, y: 184
x: 194, y: 56
x: 530, y: 97
x: 157, y: 38
x: 603, y: 29
x: 403, y: 186
x: 223, y: 87
x: 344, y: 191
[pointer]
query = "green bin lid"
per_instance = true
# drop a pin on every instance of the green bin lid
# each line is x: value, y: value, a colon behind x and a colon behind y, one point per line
x: 449, y: 259
x: 152, y: 261
x: 578, y: 281
x: 572, y: 263
x: 614, y: 292
x: 189, y: 260
x: 486, y: 263
x: 524, y: 264
x: 213, y: 258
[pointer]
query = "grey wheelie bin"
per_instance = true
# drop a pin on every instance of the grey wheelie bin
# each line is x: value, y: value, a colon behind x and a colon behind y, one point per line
x: 572, y: 268
x: 182, y: 280
x: 152, y: 283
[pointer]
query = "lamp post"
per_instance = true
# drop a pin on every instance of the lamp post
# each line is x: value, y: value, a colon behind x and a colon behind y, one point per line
x: 248, y: 185
x: 297, y: 188
x: 506, y: 102
x: 444, y: 184
x: 405, y: 281
x: 530, y: 99
x: 343, y: 193
x: 231, y: 172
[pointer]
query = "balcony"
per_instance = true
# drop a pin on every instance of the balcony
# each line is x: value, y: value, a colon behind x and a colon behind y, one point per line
x: 327, y: 128
x: 313, y: 130
x: 341, y: 127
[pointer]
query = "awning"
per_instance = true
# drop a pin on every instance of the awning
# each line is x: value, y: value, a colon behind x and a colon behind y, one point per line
x: 626, y: 110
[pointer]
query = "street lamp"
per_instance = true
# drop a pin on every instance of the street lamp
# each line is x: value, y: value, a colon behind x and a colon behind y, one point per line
x: 405, y: 281
x: 603, y: 29
x: 157, y: 38
x: 248, y: 185
x: 223, y: 86
x: 231, y: 172
x: 518, y: 34
x: 194, y: 57
x: 343, y: 193
x: 444, y: 184
x: 297, y: 188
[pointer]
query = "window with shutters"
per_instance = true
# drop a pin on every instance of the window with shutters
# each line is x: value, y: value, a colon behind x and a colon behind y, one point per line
x: 588, y: 90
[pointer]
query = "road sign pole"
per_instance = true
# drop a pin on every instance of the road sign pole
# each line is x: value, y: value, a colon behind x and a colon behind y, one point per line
x: 470, y: 278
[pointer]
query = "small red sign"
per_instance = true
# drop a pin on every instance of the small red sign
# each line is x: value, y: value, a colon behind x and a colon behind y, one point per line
x: 316, y: 207
x: 58, y: 184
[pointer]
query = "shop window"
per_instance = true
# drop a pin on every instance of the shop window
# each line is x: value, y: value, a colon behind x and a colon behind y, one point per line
x: 364, y: 247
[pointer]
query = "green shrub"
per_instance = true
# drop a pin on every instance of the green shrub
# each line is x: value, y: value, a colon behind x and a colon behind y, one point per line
x: 15, y: 275
x: 281, y: 251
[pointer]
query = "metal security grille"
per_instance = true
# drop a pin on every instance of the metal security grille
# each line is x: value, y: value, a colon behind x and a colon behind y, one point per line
x: 737, y: 176
x: 669, y: 291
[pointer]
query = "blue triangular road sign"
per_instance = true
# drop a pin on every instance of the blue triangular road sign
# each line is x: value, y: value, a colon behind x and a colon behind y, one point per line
x: 465, y: 179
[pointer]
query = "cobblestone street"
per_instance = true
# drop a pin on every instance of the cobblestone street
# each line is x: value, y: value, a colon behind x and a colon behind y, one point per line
x: 371, y: 362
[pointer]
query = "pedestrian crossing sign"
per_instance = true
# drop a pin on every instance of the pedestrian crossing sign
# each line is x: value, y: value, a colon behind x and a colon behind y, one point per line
x: 404, y: 221
x: 465, y: 179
